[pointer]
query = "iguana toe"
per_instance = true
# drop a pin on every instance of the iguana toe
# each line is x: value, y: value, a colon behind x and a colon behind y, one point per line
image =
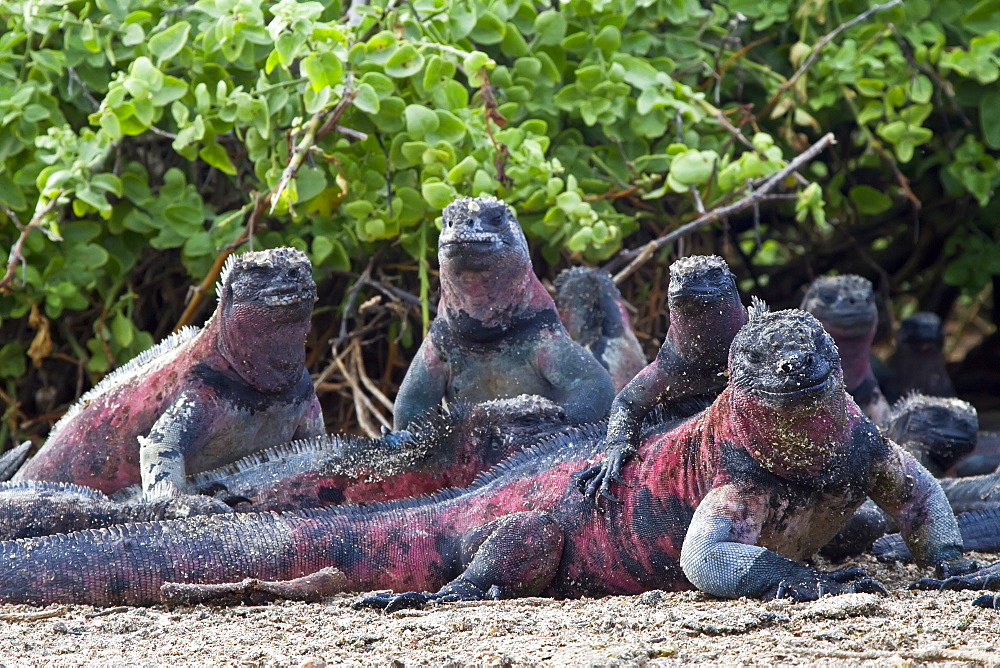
x: 988, y: 601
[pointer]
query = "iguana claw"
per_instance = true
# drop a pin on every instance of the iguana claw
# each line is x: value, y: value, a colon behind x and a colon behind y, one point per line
x: 851, y: 580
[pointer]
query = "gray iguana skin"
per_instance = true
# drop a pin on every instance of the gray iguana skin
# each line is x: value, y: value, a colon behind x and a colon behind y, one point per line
x: 936, y: 431
x: 705, y: 315
x: 727, y: 500
x: 918, y: 364
x: 594, y: 313
x: 497, y: 333
x: 37, y: 508
x: 200, y: 398
x: 846, y: 306
x: 446, y: 449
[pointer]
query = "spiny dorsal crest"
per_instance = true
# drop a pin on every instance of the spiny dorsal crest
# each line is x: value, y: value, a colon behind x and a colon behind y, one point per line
x: 916, y: 401
x: 758, y: 308
x: 272, y: 257
x: 130, y: 369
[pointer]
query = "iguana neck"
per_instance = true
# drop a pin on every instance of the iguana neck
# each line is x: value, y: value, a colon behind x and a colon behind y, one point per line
x: 482, y: 305
x: 855, y: 358
x: 268, y: 355
x: 790, y: 444
x: 709, y: 331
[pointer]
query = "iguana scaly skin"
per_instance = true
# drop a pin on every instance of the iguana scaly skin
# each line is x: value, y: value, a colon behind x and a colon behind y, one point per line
x: 918, y: 365
x: 37, y: 508
x: 846, y: 306
x: 705, y: 314
x: 936, y: 431
x: 593, y: 312
x: 728, y: 500
x: 497, y: 333
x: 445, y: 449
x: 200, y: 398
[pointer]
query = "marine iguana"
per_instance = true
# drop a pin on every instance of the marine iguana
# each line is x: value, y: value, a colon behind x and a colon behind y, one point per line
x: 705, y: 314
x: 442, y: 449
x: 593, y: 312
x: 497, y: 333
x: 726, y: 500
x: 846, y: 306
x: 918, y: 365
x: 200, y: 398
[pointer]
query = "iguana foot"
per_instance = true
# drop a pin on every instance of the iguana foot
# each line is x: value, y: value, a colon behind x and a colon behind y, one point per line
x: 459, y: 589
x: 595, y: 482
x: 987, y: 578
x: 396, y: 439
x: 388, y: 602
x: 810, y: 587
x: 187, y: 505
x: 988, y: 601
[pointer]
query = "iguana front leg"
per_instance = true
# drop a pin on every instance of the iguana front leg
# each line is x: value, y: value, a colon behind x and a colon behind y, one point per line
x: 719, y: 556
x: 423, y: 387
x: 913, y: 498
x: 581, y: 385
x: 628, y: 409
x: 516, y: 555
x: 181, y: 429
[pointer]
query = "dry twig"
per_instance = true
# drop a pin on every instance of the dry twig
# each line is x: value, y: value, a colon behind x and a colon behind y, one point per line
x: 15, y: 258
x: 639, y: 256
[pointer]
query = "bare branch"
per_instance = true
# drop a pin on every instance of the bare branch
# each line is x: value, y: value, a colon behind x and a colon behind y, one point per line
x: 16, y: 257
x: 643, y: 253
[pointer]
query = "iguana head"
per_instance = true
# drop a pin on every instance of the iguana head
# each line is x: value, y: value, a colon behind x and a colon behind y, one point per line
x: 921, y: 332
x: 940, y: 424
x: 486, y: 276
x: 844, y: 304
x: 785, y: 360
x: 590, y: 305
x: 703, y: 299
x: 265, y: 305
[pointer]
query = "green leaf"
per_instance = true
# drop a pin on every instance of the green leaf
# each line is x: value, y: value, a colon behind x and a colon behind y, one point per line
x: 489, y: 29
x: 550, y: 27
x: 367, y: 99
x: 420, y: 121
x: 693, y: 167
x: 989, y: 118
x: 437, y: 194
x: 322, y: 69
x: 167, y: 44
x: 869, y: 201
x: 217, y: 157
x: 405, y: 62
x: 122, y: 330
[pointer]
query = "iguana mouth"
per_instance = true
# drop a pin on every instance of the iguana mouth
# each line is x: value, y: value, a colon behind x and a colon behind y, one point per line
x: 470, y: 238
x: 783, y: 395
x: 277, y: 297
x: 851, y: 321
